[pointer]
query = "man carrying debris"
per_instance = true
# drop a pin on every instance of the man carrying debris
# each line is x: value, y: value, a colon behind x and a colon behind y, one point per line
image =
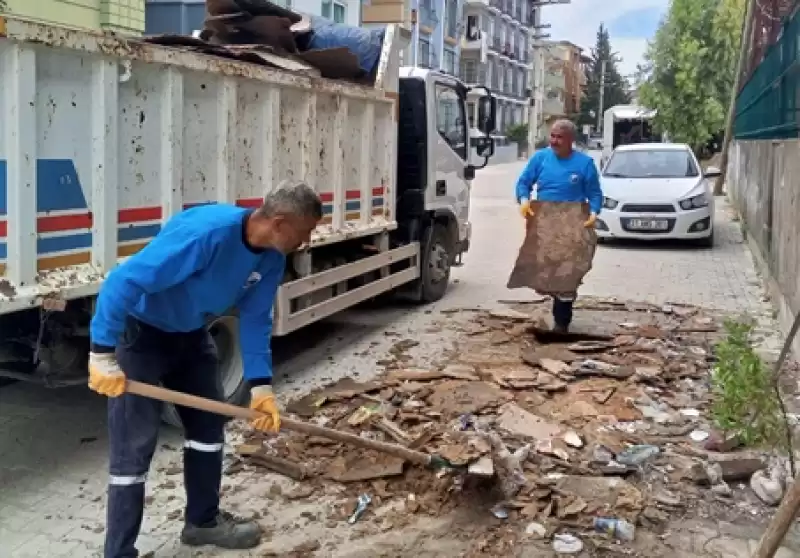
x: 560, y: 174
x: 149, y: 326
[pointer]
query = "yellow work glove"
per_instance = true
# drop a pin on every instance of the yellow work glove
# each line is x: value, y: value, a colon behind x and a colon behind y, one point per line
x: 263, y: 400
x: 589, y: 223
x: 105, y: 375
x: 525, y: 209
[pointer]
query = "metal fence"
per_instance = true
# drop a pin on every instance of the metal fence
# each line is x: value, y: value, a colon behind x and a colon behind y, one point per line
x: 769, y: 100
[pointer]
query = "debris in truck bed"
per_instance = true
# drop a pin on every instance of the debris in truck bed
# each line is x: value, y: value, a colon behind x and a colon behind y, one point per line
x: 261, y: 32
x: 614, y: 441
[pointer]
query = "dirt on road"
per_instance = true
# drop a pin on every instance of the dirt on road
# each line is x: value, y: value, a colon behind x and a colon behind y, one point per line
x: 615, y: 417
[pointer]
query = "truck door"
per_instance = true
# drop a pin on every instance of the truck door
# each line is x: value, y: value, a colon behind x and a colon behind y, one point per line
x: 450, y: 146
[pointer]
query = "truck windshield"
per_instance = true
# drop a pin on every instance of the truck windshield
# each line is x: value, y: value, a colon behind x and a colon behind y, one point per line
x: 634, y: 131
x: 651, y: 163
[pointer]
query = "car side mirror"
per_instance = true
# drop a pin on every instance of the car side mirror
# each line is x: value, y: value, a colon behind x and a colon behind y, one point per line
x: 712, y: 172
x: 487, y: 114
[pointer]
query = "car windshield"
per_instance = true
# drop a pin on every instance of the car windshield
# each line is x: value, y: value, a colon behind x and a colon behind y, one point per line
x: 651, y: 163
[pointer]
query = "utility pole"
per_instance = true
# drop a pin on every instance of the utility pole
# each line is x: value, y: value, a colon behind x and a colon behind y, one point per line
x: 602, y: 97
x: 747, y: 31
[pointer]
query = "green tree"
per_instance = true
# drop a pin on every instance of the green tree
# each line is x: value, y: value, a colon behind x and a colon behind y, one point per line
x: 689, y: 68
x: 616, y: 86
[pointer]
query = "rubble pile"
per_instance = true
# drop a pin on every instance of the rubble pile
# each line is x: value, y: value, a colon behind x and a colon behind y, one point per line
x: 613, y: 422
x: 267, y: 34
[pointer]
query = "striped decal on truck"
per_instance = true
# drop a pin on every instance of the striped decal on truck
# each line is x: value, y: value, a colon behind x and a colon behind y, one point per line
x: 64, y: 222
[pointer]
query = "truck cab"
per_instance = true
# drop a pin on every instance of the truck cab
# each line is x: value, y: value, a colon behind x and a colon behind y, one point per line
x: 435, y: 169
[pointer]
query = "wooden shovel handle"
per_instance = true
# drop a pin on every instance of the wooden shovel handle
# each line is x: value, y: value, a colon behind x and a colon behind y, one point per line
x: 226, y: 409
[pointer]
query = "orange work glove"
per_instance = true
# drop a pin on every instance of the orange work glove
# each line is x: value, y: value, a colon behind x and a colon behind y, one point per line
x: 262, y: 399
x: 105, y: 375
x: 525, y: 209
x: 589, y: 223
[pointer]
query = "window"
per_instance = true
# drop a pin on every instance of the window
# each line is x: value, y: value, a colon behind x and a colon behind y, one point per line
x: 451, y: 18
x: 449, y: 62
x: 334, y: 10
x: 655, y: 163
x: 451, y: 122
x: 339, y: 13
x: 424, y: 56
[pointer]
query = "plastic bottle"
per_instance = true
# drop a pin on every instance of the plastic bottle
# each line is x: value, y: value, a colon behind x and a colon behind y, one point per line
x: 616, y: 528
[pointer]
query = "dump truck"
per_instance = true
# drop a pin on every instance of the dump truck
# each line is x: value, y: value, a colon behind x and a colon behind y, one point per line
x: 105, y: 138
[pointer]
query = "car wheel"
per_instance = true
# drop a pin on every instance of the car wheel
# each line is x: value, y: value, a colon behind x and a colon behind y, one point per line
x: 225, y: 334
x: 435, y: 270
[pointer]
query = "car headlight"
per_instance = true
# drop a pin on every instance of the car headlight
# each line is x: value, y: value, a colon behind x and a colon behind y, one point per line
x: 610, y: 203
x: 694, y: 202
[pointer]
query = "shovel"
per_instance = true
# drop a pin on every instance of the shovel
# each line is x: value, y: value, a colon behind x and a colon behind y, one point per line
x: 434, y: 462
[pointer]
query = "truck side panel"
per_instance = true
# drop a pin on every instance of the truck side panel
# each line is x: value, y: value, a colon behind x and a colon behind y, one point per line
x: 104, y: 140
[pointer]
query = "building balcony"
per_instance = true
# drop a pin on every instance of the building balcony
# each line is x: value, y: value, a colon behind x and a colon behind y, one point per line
x: 485, y: 3
x: 473, y: 76
x: 475, y: 44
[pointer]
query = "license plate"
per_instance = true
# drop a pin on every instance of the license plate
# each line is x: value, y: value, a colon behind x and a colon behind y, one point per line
x: 648, y: 224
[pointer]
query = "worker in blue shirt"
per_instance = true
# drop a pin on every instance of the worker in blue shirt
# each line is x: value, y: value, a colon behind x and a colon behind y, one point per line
x: 561, y: 174
x: 149, y: 326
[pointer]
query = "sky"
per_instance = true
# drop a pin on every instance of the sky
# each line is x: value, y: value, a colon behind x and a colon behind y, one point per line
x: 630, y: 24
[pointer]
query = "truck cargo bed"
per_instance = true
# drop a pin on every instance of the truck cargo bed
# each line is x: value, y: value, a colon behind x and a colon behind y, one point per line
x: 104, y: 139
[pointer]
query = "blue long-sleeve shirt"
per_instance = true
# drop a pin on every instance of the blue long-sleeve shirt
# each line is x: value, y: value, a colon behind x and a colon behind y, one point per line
x: 198, y: 266
x: 572, y: 179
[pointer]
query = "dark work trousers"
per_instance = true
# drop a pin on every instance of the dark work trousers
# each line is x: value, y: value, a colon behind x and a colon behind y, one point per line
x: 562, y: 311
x: 184, y: 362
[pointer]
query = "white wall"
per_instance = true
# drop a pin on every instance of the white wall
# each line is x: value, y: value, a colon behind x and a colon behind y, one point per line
x: 352, y: 9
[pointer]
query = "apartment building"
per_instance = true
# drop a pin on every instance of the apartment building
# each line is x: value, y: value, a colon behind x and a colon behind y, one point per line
x: 438, y: 30
x: 563, y: 81
x: 495, y: 53
x: 121, y: 16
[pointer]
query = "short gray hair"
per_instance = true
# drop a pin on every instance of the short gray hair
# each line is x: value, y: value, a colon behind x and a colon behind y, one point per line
x: 568, y: 126
x: 292, y: 197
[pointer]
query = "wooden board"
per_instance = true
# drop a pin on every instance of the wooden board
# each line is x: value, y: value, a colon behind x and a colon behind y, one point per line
x: 558, y: 250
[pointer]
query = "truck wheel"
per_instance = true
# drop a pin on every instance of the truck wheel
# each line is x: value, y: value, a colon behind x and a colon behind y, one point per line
x: 225, y: 333
x: 436, y: 260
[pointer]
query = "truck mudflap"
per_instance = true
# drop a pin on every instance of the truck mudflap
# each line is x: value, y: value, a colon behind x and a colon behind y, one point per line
x: 395, y: 267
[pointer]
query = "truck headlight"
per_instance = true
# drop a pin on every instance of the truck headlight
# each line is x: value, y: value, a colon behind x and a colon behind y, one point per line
x: 695, y: 202
x: 610, y: 203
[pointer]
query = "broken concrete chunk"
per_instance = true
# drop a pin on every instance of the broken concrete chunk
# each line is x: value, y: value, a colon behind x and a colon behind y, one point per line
x: 573, y: 439
x: 454, y: 398
x: 365, y: 469
x: 483, y: 467
x: 553, y: 366
x: 516, y: 420
x: 509, y: 314
x: 732, y: 467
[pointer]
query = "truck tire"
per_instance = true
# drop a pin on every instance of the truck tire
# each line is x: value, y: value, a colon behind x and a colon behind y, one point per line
x: 437, y: 257
x: 225, y: 333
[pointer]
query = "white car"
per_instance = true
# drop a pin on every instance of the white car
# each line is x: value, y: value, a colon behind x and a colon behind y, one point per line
x: 656, y: 191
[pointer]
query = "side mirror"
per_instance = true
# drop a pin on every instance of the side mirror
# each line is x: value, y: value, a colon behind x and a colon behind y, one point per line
x: 487, y: 114
x: 712, y: 172
x: 484, y: 146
